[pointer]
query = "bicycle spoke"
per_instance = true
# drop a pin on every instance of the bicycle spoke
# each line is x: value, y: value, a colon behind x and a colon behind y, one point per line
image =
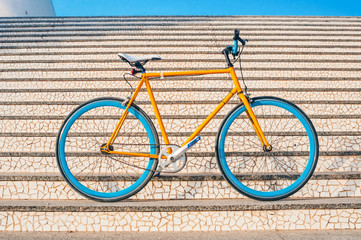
x: 291, y: 127
x: 289, y: 140
x: 273, y: 121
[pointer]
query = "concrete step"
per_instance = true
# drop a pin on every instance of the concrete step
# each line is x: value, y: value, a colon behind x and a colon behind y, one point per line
x: 213, y: 31
x: 45, y: 142
x: 192, y: 51
x: 169, y: 59
x: 316, y: 110
x: 270, y: 52
x: 86, y: 73
x: 222, y: 84
x: 178, y: 21
x: 200, y: 45
x: 180, y: 215
x: 247, y: 56
x: 205, y: 94
x: 253, y: 43
x: 325, y: 125
x: 168, y: 65
x: 180, y: 34
x: 45, y: 186
x: 180, y: 25
x: 118, y: 71
x: 188, y: 83
x: 45, y: 162
x: 200, y: 235
x: 121, y: 37
x: 174, y: 27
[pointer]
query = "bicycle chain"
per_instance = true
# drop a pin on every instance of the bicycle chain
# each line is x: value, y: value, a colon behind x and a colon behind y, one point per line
x: 132, y: 165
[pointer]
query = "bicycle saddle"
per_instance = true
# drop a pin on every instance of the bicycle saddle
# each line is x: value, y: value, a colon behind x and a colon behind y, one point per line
x: 134, y: 59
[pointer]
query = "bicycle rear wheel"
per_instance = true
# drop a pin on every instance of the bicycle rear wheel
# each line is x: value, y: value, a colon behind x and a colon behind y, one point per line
x: 100, y: 176
x: 261, y: 174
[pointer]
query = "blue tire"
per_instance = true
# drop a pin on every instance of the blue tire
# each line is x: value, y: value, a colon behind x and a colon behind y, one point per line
x: 262, y: 174
x: 100, y: 176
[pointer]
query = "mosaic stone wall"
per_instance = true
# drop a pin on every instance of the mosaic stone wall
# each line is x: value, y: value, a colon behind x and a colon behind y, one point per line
x: 49, y: 66
x: 163, y: 190
x: 182, y: 221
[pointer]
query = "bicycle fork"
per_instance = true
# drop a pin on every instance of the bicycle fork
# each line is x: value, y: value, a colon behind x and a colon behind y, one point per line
x: 252, y: 118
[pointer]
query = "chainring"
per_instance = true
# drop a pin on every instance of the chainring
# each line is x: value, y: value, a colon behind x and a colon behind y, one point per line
x: 172, y: 167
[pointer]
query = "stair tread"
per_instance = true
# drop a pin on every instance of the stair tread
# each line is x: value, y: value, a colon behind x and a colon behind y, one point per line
x: 177, y: 205
x: 190, y: 154
x: 170, y: 177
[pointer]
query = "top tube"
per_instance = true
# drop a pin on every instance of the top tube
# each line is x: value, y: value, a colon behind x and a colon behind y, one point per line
x: 187, y: 73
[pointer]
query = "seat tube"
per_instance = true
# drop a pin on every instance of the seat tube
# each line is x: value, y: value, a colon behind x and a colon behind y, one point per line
x: 157, y: 114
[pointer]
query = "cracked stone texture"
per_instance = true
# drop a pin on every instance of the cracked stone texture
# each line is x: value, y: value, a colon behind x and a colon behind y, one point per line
x: 181, y: 221
x: 164, y: 190
x: 331, y: 56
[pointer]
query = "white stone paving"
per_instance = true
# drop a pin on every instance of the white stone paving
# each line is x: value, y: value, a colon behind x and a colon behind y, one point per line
x: 187, y: 38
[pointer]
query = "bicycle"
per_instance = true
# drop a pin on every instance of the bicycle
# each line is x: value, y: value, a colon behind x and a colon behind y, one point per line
x: 268, y: 157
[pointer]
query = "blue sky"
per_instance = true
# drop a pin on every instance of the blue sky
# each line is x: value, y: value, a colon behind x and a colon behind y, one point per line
x: 209, y: 7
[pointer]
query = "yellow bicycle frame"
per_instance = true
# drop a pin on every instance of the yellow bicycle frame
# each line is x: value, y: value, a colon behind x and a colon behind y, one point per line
x: 145, y: 79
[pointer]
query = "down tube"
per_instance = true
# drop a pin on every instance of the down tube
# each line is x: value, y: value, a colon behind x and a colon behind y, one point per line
x: 209, y: 118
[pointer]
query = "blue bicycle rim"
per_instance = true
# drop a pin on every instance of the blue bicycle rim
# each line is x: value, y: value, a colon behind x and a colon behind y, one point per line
x: 71, y: 177
x: 232, y: 177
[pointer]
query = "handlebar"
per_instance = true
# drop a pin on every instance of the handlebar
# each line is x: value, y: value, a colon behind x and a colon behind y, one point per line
x: 233, y: 49
x: 236, y: 38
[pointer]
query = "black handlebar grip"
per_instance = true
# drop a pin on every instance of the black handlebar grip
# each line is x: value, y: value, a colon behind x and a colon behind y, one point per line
x: 242, y: 41
x: 226, y: 52
x: 236, y: 37
x: 236, y: 34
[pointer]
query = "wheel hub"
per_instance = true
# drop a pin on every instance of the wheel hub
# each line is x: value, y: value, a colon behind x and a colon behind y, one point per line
x: 267, y: 149
x: 105, y: 149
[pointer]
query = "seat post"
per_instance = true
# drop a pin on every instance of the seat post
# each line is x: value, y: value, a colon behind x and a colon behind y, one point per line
x: 140, y: 66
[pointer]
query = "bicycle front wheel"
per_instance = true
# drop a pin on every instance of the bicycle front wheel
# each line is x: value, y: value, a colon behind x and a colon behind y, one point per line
x: 101, y: 176
x: 261, y: 174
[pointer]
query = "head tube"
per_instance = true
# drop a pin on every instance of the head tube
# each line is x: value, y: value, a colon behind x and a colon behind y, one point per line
x: 235, y: 47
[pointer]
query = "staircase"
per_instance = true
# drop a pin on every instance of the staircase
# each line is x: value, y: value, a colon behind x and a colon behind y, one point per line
x: 48, y: 66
